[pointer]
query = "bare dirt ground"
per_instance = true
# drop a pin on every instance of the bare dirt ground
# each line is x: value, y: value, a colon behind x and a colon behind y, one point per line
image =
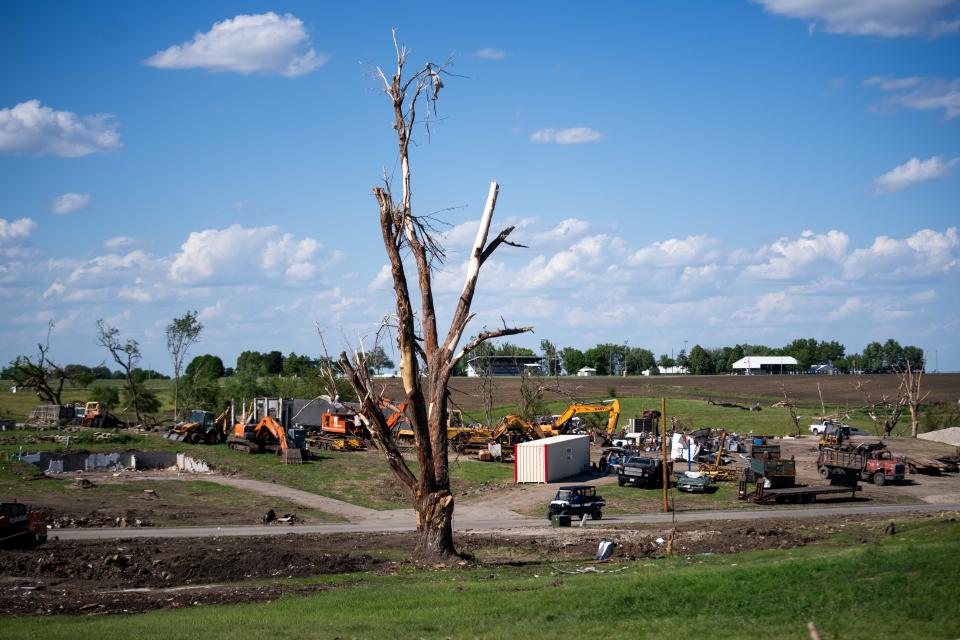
x: 99, y: 577
x: 943, y: 387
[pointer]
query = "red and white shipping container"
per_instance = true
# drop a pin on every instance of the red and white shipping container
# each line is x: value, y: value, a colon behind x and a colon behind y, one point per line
x: 551, y: 459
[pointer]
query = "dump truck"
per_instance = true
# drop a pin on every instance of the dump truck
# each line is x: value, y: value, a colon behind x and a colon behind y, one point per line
x: 21, y: 527
x: 870, y: 462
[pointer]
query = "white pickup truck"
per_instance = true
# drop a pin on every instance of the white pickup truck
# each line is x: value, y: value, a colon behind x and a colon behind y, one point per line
x: 820, y: 427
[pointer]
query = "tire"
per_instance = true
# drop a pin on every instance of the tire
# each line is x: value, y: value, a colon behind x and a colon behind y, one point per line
x: 620, y: 482
x: 565, y: 512
x: 95, y: 423
x: 597, y: 514
x: 824, y: 472
x: 549, y: 514
x: 193, y: 438
x: 879, y: 479
x: 210, y: 437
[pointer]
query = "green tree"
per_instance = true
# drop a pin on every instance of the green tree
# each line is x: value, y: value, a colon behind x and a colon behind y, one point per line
x: 871, y: 360
x: 210, y: 365
x: 666, y: 361
x: 251, y: 362
x: 573, y: 360
x: 182, y: 333
x: 378, y: 359
x: 106, y: 394
x: 701, y: 363
x: 639, y: 360
x: 273, y: 363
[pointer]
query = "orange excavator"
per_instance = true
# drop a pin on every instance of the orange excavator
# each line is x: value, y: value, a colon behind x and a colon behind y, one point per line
x: 269, y: 435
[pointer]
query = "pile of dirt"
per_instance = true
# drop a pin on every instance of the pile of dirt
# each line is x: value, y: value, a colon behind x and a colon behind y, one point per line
x: 159, y: 563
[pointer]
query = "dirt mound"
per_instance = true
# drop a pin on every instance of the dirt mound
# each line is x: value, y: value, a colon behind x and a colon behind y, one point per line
x: 159, y: 563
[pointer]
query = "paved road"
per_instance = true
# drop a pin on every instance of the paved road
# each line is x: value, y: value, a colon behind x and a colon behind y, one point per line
x: 464, y: 522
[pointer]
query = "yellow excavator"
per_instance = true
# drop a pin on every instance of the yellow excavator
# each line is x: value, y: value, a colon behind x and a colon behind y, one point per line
x: 561, y: 424
x: 509, y: 431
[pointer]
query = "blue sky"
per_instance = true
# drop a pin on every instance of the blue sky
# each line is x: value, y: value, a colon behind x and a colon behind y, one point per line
x: 709, y: 172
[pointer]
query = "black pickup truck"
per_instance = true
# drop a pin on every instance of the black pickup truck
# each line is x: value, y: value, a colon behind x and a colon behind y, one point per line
x: 641, y: 471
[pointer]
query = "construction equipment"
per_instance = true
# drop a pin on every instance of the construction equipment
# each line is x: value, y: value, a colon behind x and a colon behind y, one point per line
x: 715, y: 470
x: 265, y: 427
x: 561, y: 426
x: 833, y: 434
x: 864, y: 462
x: 341, y: 431
x: 511, y: 430
x: 95, y: 416
x: 21, y: 527
x: 201, y: 426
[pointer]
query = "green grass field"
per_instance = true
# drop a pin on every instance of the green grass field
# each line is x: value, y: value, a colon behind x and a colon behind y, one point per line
x: 360, y: 478
x: 901, y: 586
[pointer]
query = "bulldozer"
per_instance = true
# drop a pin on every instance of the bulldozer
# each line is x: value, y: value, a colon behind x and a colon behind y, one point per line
x: 201, y: 426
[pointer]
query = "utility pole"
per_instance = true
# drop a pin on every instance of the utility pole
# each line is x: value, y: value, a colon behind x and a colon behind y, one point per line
x: 663, y: 439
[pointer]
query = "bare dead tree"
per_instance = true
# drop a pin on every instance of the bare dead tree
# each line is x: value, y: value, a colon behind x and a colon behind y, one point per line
x: 910, y: 387
x: 426, y: 361
x: 791, y: 405
x: 127, y: 355
x: 884, y: 413
x: 486, y: 387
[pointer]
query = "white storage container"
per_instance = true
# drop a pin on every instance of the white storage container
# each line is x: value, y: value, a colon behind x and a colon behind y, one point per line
x: 551, y: 459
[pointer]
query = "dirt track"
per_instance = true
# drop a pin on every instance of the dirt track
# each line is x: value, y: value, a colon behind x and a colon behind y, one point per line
x: 943, y: 387
x: 99, y: 577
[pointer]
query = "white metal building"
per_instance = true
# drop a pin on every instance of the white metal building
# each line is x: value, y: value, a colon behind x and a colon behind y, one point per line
x: 756, y: 365
x: 587, y: 371
x: 551, y: 459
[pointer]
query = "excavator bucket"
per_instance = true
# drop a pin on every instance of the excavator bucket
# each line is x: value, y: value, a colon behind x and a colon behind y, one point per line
x: 292, y: 456
x: 176, y: 437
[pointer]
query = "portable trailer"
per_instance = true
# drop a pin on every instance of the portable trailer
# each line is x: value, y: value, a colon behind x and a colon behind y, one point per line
x: 795, y: 494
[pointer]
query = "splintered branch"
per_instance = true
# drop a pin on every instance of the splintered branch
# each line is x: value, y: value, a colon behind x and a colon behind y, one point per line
x: 372, y: 416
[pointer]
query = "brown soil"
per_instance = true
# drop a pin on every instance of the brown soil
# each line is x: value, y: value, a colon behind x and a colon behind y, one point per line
x: 943, y: 387
x: 99, y: 577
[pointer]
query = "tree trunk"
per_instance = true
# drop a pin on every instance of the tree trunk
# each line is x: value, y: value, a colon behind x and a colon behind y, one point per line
x: 435, y: 529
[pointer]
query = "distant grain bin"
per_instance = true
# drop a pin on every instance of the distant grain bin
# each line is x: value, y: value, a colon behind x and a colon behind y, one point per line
x: 551, y: 459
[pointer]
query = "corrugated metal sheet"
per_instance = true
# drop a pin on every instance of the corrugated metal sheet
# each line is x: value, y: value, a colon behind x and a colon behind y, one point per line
x: 551, y: 459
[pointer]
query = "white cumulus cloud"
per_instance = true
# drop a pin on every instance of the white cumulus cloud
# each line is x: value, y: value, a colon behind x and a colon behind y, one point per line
x: 885, y: 18
x: 912, y: 172
x: 574, y: 135
x: 236, y: 251
x: 29, y: 128
x: 263, y: 43
x: 69, y: 202
x: 924, y: 254
x: 675, y: 252
x: 16, y: 229
x: 788, y: 258
x: 918, y: 94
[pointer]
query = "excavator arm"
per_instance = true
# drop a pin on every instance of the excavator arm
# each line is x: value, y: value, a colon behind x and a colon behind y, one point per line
x: 613, y: 409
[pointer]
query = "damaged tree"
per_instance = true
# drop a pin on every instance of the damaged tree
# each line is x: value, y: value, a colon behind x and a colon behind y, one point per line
x: 910, y: 380
x: 886, y: 413
x: 42, y: 375
x: 426, y: 362
x: 127, y: 355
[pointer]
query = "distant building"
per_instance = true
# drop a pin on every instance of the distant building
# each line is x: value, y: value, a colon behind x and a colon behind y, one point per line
x: 668, y: 371
x: 823, y: 369
x: 762, y: 365
x: 587, y: 371
x: 504, y: 365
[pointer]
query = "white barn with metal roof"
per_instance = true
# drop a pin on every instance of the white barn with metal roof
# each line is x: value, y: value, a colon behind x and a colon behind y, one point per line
x: 756, y: 365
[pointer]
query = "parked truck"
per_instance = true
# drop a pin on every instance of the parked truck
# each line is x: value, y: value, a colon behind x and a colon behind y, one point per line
x: 641, y: 471
x: 871, y: 462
